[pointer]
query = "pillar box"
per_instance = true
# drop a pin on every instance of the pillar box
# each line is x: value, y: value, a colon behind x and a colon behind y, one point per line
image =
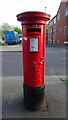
x: 34, y: 57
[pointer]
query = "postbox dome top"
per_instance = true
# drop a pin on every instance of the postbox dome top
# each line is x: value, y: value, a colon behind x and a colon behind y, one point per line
x: 33, y: 15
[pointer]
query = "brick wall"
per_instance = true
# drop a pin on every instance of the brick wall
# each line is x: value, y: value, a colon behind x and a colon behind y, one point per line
x: 60, y: 28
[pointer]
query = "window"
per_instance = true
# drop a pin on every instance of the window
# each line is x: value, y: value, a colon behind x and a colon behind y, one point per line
x: 54, y: 20
x: 66, y: 10
x: 66, y: 30
x: 51, y: 23
x: 58, y: 16
x: 60, y: 31
x: 54, y: 33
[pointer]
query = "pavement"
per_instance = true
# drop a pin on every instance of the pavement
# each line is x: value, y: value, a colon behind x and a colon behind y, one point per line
x: 18, y: 47
x: 12, y: 95
x: 15, y: 47
x: 13, y: 104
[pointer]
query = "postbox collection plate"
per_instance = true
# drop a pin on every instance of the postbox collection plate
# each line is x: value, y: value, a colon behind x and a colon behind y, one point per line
x: 34, y: 44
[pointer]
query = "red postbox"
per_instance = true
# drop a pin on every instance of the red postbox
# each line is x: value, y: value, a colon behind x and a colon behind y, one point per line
x: 34, y: 45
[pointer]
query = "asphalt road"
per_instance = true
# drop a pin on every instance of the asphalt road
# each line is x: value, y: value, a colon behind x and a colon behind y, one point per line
x: 55, y: 62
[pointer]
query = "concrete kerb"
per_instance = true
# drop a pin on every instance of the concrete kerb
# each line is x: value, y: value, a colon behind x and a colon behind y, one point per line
x: 47, y: 77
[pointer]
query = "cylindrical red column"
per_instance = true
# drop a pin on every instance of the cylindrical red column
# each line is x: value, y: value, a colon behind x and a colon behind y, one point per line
x: 34, y: 45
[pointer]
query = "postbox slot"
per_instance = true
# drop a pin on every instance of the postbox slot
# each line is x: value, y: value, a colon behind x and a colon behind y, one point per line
x: 34, y: 30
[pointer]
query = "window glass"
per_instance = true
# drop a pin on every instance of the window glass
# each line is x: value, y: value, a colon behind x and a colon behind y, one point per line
x: 60, y: 31
x: 59, y: 16
x: 66, y: 10
x: 66, y: 30
x: 54, y: 20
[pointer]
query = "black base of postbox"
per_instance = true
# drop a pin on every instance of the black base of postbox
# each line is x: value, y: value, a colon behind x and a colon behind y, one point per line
x: 34, y: 97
